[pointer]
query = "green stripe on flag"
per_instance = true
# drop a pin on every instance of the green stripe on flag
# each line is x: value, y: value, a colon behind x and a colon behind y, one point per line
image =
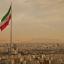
x: 5, y: 16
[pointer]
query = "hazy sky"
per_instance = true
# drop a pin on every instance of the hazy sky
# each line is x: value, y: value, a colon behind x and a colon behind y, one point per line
x: 34, y: 19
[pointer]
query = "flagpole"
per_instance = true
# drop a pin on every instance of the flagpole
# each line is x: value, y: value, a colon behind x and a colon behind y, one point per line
x: 11, y: 29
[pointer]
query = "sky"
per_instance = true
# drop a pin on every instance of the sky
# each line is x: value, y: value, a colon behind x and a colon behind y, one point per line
x: 34, y: 19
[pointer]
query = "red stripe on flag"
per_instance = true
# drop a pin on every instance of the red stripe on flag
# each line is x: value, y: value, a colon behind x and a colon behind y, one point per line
x: 5, y: 24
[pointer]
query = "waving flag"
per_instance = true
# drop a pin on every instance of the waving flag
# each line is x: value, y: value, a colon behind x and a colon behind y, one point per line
x: 5, y: 20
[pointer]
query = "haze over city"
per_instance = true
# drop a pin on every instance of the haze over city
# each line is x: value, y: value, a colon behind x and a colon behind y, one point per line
x: 34, y: 19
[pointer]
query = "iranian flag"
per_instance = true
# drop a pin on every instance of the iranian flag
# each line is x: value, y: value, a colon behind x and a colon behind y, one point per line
x: 5, y: 20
